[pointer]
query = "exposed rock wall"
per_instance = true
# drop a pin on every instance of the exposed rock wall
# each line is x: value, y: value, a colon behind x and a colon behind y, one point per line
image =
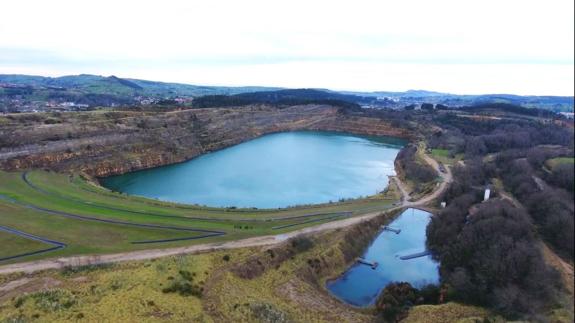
x: 103, y: 144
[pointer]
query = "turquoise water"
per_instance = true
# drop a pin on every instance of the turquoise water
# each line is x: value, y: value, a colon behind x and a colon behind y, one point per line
x: 276, y: 170
x: 360, y: 285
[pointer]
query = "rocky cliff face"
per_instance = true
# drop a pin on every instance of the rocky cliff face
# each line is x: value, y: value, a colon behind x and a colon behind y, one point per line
x: 102, y: 144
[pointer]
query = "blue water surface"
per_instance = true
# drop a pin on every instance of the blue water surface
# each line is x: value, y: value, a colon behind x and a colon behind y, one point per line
x: 360, y: 285
x: 275, y: 170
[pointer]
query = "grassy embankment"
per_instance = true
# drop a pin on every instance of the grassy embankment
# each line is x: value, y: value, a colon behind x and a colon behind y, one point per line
x: 48, y: 205
x: 443, y: 156
x: 289, y: 288
x: 554, y: 162
x: 417, y: 189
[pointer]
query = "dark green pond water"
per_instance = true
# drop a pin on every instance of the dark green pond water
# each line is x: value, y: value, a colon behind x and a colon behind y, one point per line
x: 360, y: 285
x: 276, y: 170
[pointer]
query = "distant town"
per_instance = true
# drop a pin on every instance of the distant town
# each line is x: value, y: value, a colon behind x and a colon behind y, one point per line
x: 26, y: 94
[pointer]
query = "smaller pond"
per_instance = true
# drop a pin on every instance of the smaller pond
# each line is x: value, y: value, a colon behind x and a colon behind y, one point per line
x: 360, y: 285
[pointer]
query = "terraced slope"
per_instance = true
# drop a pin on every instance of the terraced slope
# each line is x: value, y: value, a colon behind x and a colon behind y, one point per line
x: 66, y: 206
x: 104, y: 143
x: 83, y: 218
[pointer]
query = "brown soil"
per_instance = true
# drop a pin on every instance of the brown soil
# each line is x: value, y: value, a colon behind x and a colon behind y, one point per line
x: 102, y: 144
x: 26, y: 285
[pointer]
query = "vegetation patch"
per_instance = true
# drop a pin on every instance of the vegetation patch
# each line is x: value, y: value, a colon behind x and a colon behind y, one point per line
x: 415, y: 171
x: 184, y: 285
x: 555, y: 162
x: 450, y: 313
x: 267, y: 313
x: 48, y: 300
x: 255, y: 266
x: 446, y: 156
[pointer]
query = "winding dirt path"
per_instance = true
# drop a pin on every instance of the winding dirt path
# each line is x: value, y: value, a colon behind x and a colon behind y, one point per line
x: 33, y: 266
x: 446, y: 178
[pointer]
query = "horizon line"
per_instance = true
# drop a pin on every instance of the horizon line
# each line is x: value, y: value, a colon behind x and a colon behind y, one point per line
x: 289, y: 88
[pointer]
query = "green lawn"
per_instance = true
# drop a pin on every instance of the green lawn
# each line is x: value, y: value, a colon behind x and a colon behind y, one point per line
x: 73, y: 211
x: 554, y: 162
x: 442, y: 155
x: 13, y: 245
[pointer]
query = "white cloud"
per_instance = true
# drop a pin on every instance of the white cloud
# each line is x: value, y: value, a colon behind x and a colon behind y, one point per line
x: 456, y: 46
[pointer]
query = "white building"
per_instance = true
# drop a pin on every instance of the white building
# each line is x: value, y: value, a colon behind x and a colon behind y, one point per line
x: 486, y: 195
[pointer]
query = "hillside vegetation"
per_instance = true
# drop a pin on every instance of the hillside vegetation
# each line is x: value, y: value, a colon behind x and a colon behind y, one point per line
x: 274, y: 284
x: 29, y: 93
x: 490, y: 251
x: 507, y: 258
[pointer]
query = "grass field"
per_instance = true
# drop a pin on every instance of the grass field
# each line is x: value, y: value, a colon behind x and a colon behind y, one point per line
x: 442, y: 155
x: 18, y: 245
x: 136, y: 291
x: 92, y: 220
x: 554, y: 162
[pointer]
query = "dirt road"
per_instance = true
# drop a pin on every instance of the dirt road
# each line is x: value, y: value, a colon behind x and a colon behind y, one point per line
x: 157, y: 253
x: 34, y: 266
x: 446, y: 178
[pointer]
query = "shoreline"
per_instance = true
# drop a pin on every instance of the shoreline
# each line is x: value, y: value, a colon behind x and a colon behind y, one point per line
x: 98, y: 181
x: 77, y: 261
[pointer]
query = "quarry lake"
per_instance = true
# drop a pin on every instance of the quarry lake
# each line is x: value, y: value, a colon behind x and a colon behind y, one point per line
x: 276, y: 170
x: 361, y: 284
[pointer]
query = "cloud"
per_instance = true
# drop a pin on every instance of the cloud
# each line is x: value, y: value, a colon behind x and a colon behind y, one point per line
x: 351, y: 43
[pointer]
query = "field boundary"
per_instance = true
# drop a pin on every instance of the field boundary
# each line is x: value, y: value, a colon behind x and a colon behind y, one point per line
x: 57, y: 245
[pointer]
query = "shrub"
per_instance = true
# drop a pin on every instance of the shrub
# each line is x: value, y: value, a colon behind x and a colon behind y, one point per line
x: 301, y: 244
x: 52, y: 121
x: 268, y: 313
x: 184, y: 288
x: 184, y: 285
x: 395, y: 300
x: 49, y: 300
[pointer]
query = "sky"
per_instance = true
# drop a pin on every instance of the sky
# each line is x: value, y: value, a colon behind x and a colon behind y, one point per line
x: 456, y: 46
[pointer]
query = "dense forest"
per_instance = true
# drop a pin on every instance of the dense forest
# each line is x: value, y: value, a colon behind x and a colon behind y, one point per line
x: 281, y: 98
x: 490, y: 251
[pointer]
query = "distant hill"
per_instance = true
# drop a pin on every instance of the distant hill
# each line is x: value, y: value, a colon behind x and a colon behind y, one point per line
x: 95, y: 84
x: 32, y: 93
x: 493, y: 108
x: 552, y: 103
x: 283, y: 97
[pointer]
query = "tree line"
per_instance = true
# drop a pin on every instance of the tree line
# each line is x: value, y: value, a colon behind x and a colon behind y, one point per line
x: 490, y: 252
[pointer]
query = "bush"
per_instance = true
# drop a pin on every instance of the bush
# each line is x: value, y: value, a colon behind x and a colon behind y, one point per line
x: 49, y: 300
x: 184, y: 288
x: 184, y: 285
x: 52, y: 121
x: 268, y: 313
x: 301, y: 244
x: 395, y: 300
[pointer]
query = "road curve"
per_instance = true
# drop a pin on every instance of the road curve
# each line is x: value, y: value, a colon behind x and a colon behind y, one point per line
x: 446, y: 179
x: 58, y: 263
